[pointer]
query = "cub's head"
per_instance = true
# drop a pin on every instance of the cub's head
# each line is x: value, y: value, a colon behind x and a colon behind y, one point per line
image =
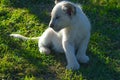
x: 61, y: 15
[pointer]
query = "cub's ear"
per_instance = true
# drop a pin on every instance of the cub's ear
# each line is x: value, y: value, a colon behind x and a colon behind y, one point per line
x: 57, y: 1
x: 69, y: 9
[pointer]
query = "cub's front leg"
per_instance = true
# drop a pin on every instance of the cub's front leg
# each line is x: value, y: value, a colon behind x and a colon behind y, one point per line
x: 69, y: 50
x: 81, y: 54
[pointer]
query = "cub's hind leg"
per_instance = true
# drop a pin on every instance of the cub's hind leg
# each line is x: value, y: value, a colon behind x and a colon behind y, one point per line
x: 45, y: 41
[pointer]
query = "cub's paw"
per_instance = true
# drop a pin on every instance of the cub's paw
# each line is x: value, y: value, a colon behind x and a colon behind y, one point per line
x: 44, y: 50
x: 73, y: 66
x: 83, y: 59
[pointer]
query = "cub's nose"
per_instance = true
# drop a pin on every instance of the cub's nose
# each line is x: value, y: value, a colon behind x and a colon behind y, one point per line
x: 51, y: 25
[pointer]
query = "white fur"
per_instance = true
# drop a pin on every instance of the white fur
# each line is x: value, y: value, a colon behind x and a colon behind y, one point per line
x: 70, y: 35
x: 23, y: 37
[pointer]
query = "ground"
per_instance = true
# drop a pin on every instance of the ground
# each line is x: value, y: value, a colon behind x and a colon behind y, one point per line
x: 21, y: 60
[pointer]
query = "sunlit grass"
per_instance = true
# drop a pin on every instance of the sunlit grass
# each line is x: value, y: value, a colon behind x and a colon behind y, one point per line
x: 21, y: 60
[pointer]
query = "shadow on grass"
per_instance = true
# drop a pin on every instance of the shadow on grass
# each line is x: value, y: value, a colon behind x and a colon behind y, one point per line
x: 98, y: 69
x: 40, y: 8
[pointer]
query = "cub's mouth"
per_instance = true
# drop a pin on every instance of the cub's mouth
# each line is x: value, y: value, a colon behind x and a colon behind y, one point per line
x: 56, y: 29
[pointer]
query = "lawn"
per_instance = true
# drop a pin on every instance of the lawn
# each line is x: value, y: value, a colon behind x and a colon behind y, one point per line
x: 21, y: 60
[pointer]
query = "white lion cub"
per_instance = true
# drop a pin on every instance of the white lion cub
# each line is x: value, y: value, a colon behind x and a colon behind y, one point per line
x: 68, y: 32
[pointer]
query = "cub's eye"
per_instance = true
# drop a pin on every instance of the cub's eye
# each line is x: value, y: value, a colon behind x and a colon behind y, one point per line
x: 57, y: 17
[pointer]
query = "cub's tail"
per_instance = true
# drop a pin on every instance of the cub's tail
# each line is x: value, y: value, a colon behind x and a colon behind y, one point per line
x: 23, y: 37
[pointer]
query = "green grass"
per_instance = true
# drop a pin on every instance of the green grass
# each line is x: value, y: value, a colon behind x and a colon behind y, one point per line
x: 21, y: 60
